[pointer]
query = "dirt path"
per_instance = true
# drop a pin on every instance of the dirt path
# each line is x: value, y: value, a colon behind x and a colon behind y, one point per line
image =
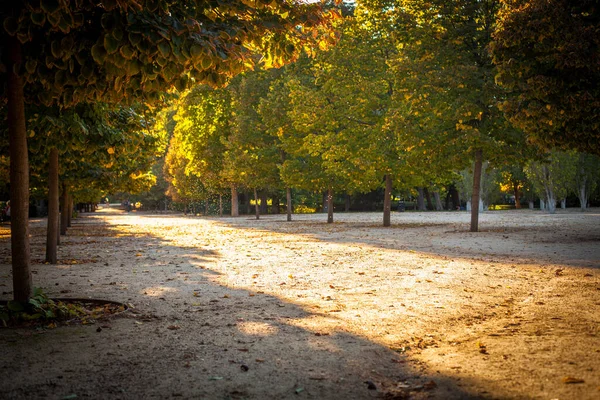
x: 245, y: 309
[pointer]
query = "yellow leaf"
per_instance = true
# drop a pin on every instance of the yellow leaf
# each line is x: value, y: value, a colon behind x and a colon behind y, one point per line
x: 110, y: 150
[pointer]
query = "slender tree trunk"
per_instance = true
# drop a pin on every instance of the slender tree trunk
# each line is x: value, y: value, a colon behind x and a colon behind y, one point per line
x: 275, y: 205
x: 438, y: 201
x: 476, y: 190
x: 256, y: 205
x: 421, y: 199
x: 583, y: 196
x: 221, y: 205
x: 206, y: 207
x: 347, y: 203
x: 19, y: 176
x: 70, y: 211
x: 235, y: 210
x: 329, y: 206
x: 325, y: 201
x: 563, y: 204
x: 63, y: 215
x: 387, y: 201
x: 288, y: 205
x: 53, y: 205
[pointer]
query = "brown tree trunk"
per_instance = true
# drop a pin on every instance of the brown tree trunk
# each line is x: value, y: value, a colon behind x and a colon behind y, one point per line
x: 63, y: 215
x: 206, y: 207
x: 264, y: 208
x: 329, y: 206
x: 387, y: 201
x: 428, y: 198
x: 476, y: 189
x: 421, y: 199
x: 235, y: 205
x: 53, y: 207
x: 256, y: 205
x: 220, y: 205
x: 517, y: 195
x: 288, y: 205
x: 70, y: 209
x: 275, y: 205
x: 19, y: 176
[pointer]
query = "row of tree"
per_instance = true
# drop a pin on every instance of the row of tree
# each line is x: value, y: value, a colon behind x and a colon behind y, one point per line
x: 408, y: 98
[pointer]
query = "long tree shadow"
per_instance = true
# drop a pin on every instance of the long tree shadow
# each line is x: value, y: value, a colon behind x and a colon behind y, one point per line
x: 192, y: 336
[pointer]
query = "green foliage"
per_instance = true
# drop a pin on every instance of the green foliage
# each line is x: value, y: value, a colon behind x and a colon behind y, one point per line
x: 38, y: 308
x: 547, y: 56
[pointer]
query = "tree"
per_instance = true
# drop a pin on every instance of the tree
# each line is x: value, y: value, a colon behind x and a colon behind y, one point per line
x: 547, y: 54
x: 66, y: 53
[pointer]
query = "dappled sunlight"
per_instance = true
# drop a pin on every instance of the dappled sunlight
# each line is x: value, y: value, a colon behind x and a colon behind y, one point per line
x: 254, y: 328
x: 158, y: 291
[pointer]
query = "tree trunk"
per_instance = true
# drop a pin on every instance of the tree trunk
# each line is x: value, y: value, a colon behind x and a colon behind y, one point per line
x: 220, y: 205
x: 329, y: 206
x: 288, y: 205
x: 421, y: 199
x: 206, y: 207
x: 476, y: 190
x: 256, y: 205
x: 70, y: 211
x: 264, y: 207
x: 347, y: 203
x: 53, y: 195
x: 387, y: 201
x: 325, y: 201
x: 19, y: 176
x: 63, y: 215
x: 517, y: 194
x: 275, y: 205
x: 583, y: 196
x: 455, y: 197
x: 542, y: 205
x: 563, y: 204
x: 235, y: 210
x: 428, y: 198
x: 438, y: 201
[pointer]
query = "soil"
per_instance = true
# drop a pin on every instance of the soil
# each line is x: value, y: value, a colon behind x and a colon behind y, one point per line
x: 235, y: 308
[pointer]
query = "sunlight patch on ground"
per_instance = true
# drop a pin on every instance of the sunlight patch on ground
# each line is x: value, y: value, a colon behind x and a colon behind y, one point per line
x: 257, y: 328
x: 157, y: 291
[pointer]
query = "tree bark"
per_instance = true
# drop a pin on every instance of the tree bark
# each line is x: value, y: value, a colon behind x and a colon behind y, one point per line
x: 583, y: 196
x: 19, y: 176
x: 256, y: 205
x: 53, y: 207
x: 288, y: 205
x: 563, y: 204
x: 264, y: 208
x: 420, y: 199
x: 476, y: 190
x: 235, y: 205
x: 517, y: 194
x: 220, y: 205
x: 438, y: 201
x: 63, y: 215
x: 387, y: 201
x: 70, y: 211
x: 329, y: 206
x: 428, y: 198
x: 206, y: 207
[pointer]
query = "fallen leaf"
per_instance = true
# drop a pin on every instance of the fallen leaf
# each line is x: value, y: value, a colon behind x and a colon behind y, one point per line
x: 173, y: 327
x: 570, y: 379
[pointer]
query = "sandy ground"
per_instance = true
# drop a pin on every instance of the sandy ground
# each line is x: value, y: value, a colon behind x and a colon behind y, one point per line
x: 234, y: 308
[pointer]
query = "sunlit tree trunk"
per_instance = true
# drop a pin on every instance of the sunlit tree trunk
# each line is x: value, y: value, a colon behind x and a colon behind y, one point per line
x: 53, y: 207
x: 438, y: 201
x: 329, y: 206
x: 288, y: 205
x: 19, y: 175
x: 387, y: 201
x: 476, y: 190
x: 256, y: 205
x: 235, y: 210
